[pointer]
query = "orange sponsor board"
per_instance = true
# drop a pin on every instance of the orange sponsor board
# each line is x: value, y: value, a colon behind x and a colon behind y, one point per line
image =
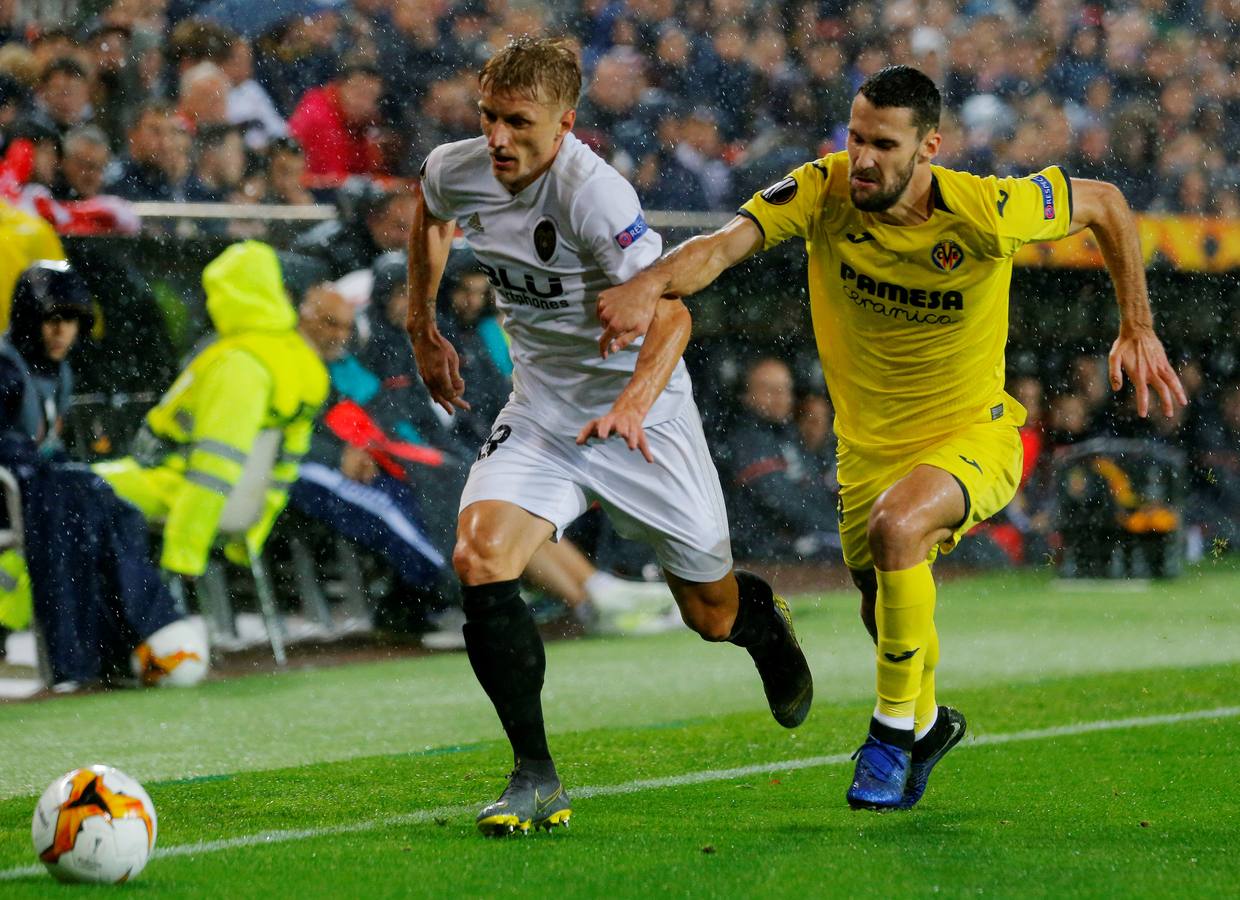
x: 1186, y: 243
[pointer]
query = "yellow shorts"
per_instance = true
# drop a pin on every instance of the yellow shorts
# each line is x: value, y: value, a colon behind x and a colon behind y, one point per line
x: 985, y: 459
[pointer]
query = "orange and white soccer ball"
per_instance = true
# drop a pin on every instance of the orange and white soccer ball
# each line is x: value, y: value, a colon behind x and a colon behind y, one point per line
x: 95, y: 824
x: 175, y: 656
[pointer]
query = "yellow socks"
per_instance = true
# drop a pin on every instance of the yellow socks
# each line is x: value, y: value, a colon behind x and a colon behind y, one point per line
x: 927, y: 708
x: 908, y: 647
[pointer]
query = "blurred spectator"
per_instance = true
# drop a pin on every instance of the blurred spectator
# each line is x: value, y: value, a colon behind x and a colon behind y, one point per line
x: 178, y: 160
x: 610, y: 104
x: 117, y: 89
x: 62, y: 99
x: 286, y: 173
x: 337, y: 124
x: 300, y: 55
x: 816, y: 425
x: 662, y: 178
x: 249, y: 104
x: 283, y: 182
x: 781, y: 505
x: 51, y: 308
x: 203, y: 96
x: 219, y: 165
x: 19, y: 64
x: 379, y: 223
x: 12, y: 106
x: 700, y: 151
x: 194, y: 41
x: 52, y: 44
x: 258, y: 374
x: 143, y: 172
x: 1069, y: 421
x: 449, y: 113
x: 83, y: 164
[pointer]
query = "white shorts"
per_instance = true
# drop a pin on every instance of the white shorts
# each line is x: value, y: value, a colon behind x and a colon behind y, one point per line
x: 675, y: 504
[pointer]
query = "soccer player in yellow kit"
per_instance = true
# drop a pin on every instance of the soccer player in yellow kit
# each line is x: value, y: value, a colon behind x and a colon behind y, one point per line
x: 909, y: 271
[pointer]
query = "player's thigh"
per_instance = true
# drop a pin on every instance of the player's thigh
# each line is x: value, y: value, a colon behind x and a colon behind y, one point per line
x: 861, y: 484
x: 528, y: 467
x: 495, y: 540
x: 985, y: 461
x: 675, y: 504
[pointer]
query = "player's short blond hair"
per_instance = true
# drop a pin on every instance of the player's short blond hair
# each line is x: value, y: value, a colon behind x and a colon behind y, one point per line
x: 543, y: 69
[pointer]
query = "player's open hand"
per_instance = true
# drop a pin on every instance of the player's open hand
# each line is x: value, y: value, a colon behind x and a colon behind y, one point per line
x: 625, y: 312
x: 623, y: 423
x: 1140, y: 353
x: 440, y: 369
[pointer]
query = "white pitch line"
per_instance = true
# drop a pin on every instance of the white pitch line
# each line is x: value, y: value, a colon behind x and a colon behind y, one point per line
x: 269, y: 838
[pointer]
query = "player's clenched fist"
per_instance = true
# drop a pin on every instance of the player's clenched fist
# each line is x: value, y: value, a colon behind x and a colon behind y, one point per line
x: 623, y: 422
x: 440, y: 369
x: 625, y: 312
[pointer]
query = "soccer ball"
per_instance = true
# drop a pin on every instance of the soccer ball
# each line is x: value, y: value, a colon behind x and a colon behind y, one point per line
x: 174, y: 656
x: 94, y: 824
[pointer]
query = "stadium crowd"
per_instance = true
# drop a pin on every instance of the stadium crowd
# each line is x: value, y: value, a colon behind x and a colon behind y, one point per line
x: 700, y: 105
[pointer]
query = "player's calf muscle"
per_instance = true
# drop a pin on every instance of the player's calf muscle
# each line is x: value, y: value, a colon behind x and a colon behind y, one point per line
x: 709, y: 608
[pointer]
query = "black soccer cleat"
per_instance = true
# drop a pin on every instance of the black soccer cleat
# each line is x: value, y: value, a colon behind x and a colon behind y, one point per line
x: 531, y: 800
x: 785, y: 674
x: 945, y: 734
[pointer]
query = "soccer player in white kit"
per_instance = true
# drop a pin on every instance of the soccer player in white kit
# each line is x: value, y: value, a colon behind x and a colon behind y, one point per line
x: 553, y: 224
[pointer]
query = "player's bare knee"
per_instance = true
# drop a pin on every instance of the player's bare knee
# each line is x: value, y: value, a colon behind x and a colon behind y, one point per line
x: 894, y: 537
x: 477, y: 560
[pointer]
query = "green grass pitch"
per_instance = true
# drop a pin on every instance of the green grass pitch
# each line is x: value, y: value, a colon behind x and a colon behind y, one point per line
x: 1103, y: 761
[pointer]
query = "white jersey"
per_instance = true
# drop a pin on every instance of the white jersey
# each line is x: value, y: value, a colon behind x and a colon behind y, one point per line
x: 549, y: 250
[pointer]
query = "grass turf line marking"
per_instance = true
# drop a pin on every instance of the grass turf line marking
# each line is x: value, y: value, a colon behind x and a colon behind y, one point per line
x: 269, y: 838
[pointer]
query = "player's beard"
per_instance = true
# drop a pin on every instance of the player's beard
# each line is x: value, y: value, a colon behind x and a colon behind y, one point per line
x: 881, y: 201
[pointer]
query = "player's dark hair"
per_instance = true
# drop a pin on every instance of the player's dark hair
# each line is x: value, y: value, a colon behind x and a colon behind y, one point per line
x: 542, y: 69
x: 907, y: 88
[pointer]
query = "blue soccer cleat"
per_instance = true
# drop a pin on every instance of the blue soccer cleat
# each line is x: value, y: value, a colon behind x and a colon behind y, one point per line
x: 945, y: 734
x: 881, y: 775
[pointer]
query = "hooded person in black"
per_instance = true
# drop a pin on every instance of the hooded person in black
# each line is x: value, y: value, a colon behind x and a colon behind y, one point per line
x: 51, y: 309
x: 102, y: 610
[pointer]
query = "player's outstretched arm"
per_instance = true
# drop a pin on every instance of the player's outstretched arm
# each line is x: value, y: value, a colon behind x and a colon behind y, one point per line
x: 656, y: 361
x: 1101, y: 207
x: 430, y: 241
x: 626, y: 310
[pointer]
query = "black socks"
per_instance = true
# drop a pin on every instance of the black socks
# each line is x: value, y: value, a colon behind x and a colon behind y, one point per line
x: 507, y: 656
x: 898, y: 737
x: 755, y: 614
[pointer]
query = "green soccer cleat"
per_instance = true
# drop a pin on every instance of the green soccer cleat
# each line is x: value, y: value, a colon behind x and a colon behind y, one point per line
x: 785, y: 674
x: 531, y: 800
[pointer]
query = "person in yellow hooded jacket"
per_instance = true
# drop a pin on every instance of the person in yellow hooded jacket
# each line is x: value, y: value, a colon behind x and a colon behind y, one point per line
x: 258, y: 374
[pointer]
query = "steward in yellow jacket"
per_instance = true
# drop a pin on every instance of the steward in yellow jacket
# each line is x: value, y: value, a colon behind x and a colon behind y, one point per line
x: 259, y: 374
x: 24, y: 238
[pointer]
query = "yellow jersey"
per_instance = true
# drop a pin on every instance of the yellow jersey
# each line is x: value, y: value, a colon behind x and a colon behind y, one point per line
x: 911, y: 321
